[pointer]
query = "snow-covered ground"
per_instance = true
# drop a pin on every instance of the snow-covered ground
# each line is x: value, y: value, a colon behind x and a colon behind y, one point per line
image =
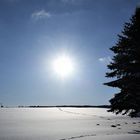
x: 66, y: 124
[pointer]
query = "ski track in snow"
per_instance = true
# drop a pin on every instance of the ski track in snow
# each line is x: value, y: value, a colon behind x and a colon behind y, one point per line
x: 77, y: 113
x: 93, y: 135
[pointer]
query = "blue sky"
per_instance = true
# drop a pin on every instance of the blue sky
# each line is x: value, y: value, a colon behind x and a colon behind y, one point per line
x: 32, y: 32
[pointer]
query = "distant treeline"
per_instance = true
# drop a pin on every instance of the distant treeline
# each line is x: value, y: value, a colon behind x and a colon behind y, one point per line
x: 77, y: 106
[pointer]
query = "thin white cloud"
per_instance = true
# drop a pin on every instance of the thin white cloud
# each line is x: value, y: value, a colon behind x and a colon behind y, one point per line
x: 105, y: 60
x: 40, y: 14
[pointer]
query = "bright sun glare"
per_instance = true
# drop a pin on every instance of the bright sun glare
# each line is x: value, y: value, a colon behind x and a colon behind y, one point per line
x: 63, y: 66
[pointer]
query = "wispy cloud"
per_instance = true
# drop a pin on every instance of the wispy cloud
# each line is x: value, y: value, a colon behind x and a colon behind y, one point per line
x: 40, y: 14
x: 105, y: 60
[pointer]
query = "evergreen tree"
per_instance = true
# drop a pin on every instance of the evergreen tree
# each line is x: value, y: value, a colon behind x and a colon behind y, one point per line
x: 125, y: 68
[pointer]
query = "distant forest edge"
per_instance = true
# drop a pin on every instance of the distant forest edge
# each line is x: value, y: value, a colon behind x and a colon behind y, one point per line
x: 76, y: 106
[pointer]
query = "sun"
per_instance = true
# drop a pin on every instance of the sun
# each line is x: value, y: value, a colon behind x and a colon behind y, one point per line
x: 63, y: 66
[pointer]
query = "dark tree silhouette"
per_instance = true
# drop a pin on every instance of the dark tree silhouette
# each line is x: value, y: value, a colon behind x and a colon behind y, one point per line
x: 1, y: 105
x: 125, y: 68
